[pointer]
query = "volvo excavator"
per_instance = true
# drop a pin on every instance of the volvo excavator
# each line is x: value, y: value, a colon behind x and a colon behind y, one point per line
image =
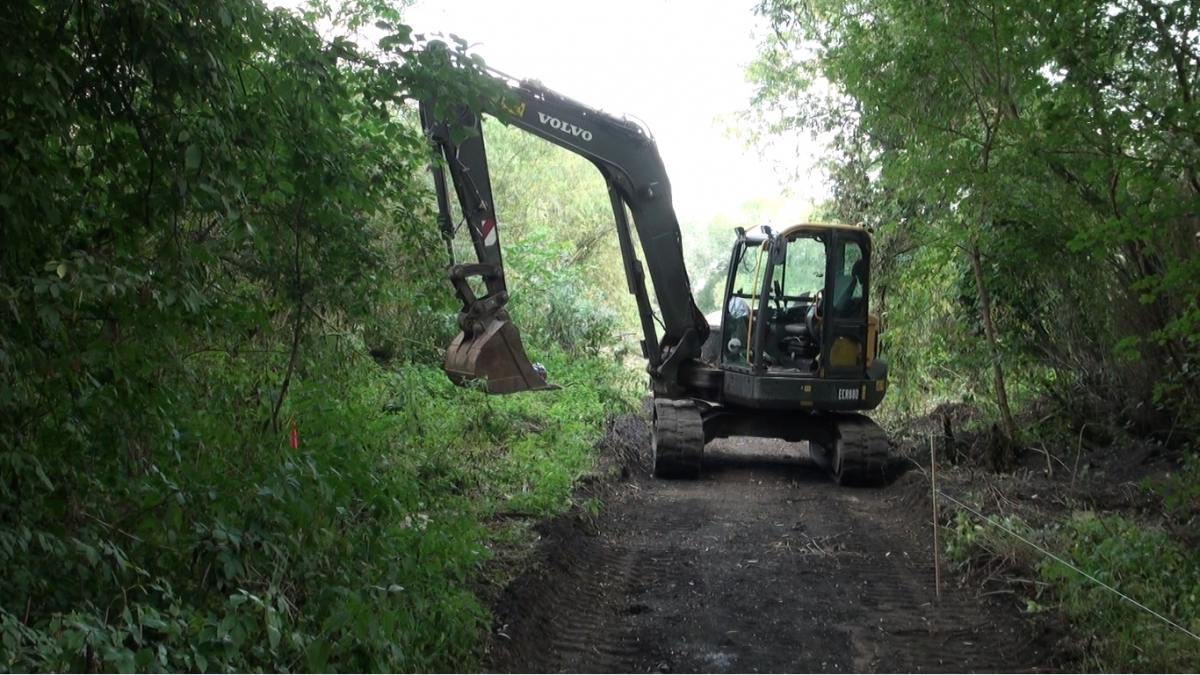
x: 792, y: 354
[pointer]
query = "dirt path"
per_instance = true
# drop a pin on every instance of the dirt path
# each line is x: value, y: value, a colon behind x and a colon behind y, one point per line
x: 761, y: 566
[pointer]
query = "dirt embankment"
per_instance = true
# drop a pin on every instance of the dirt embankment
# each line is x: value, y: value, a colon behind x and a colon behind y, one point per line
x: 763, y: 565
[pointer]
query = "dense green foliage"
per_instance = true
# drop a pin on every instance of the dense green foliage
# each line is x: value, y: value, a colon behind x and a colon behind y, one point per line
x: 209, y: 215
x: 1144, y: 563
x: 568, y: 283
x: 1032, y: 170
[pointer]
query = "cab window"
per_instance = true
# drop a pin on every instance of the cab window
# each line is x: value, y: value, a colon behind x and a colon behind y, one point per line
x: 849, y: 281
x: 804, y: 269
x: 744, y: 282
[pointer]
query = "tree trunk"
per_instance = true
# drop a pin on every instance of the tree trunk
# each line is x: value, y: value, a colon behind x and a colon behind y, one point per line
x: 989, y: 330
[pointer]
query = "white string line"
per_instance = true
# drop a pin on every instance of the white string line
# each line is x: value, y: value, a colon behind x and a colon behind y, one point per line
x: 1069, y: 565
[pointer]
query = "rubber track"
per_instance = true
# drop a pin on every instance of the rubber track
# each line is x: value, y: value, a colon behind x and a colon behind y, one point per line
x: 679, y: 434
x: 862, y: 451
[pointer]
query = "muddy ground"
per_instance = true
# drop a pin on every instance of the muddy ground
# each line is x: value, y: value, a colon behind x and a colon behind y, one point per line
x: 763, y: 565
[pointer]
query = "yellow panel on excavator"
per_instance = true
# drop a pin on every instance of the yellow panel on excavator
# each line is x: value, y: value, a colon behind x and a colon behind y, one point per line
x: 845, y: 352
x: 494, y: 354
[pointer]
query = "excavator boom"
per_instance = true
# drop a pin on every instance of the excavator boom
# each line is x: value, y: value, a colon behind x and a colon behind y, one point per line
x: 489, y: 346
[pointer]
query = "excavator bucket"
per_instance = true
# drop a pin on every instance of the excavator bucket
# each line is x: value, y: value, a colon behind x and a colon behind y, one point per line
x: 494, y: 354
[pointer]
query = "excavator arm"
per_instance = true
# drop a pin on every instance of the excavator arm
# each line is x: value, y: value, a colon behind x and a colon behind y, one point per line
x: 628, y: 159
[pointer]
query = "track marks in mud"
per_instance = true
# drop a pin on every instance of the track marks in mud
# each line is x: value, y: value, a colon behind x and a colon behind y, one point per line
x: 567, y: 615
x: 763, y: 565
x: 587, y: 625
x: 896, y: 621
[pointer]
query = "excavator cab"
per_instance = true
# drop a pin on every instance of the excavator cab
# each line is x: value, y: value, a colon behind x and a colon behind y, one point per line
x: 795, y: 328
x: 796, y: 356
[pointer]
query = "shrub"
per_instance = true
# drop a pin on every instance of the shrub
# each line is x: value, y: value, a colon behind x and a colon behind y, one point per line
x: 1143, y: 563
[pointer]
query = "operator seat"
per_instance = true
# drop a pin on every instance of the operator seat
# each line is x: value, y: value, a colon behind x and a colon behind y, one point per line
x: 799, y: 341
x: 844, y: 302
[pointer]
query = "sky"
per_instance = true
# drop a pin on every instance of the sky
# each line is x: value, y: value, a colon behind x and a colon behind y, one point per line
x: 676, y: 65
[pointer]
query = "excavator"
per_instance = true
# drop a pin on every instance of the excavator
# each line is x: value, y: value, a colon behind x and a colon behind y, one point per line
x: 793, y: 353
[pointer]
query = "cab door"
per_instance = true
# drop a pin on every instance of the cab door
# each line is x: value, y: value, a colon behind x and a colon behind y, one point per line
x: 844, y: 339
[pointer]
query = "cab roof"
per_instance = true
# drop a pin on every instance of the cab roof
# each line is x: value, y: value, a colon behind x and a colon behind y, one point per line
x: 757, y: 234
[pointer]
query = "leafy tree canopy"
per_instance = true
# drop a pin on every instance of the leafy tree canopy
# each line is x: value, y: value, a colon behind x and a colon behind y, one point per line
x: 1055, y: 144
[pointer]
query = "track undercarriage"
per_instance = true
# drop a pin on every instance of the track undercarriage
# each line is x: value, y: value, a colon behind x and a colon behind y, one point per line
x: 852, y: 447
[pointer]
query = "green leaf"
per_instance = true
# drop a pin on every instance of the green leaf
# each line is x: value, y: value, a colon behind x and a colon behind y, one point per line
x: 336, y: 622
x: 226, y: 626
x: 43, y: 477
x: 125, y: 661
x: 317, y: 655
x: 175, y: 517
x: 92, y: 555
x: 192, y: 157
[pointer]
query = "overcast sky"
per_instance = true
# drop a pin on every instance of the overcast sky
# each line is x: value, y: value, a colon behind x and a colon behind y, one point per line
x: 674, y: 64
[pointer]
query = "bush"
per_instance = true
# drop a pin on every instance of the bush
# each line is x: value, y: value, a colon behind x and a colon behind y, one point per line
x: 551, y: 301
x: 241, y: 556
x: 358, y: 550
x: 208, y: 208
x: 1143, y: 563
